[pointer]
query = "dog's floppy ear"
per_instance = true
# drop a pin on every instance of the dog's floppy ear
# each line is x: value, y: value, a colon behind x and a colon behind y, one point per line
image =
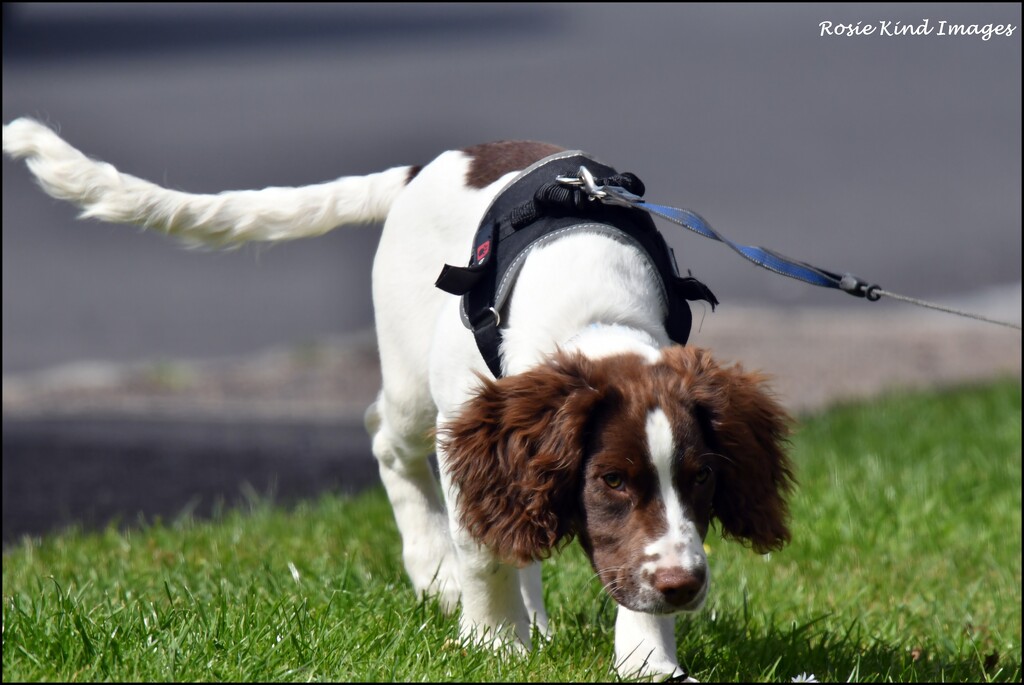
x: 749, y: 429
x: 515, y: 454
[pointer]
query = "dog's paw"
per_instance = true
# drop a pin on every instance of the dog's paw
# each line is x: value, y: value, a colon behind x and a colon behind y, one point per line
x: 652, y: 671
x: 443, y: 583
x: 446, y: 592
x: 540, y: 631
x: 500, y: 638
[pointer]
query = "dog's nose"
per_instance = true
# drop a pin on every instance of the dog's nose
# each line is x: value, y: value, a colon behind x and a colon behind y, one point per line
x: 678, y: 586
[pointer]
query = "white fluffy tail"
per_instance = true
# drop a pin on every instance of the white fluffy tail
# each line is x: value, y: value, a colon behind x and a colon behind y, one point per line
x: 227, y: 218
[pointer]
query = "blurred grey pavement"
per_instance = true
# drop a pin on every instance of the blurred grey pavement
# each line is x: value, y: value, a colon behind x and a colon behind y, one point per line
x: 187, y: 373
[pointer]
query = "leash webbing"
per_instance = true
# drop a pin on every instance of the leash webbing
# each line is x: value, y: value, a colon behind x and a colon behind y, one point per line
x: 762, y: 256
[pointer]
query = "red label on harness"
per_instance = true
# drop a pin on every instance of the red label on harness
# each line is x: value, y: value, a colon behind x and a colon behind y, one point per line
x: 482, y: 251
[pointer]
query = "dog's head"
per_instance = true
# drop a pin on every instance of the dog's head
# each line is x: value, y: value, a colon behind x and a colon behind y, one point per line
x: 633, y: 457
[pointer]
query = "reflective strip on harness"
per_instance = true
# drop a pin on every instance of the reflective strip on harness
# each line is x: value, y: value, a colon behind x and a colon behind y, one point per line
x: 508, y: 278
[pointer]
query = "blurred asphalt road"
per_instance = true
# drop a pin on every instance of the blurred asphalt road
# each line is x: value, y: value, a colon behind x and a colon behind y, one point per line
x: 896, y: 158
x: 93, y: 469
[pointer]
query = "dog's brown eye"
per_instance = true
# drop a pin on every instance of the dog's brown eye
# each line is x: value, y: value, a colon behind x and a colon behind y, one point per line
x: 614, y: 481
x: 702, y: 475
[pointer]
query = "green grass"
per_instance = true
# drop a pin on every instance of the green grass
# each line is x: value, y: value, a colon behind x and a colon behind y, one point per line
x: 905, y: 566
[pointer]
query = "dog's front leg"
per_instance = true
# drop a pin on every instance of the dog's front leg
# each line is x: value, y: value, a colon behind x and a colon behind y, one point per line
x: 532, y: 589
x: 493, y: 611
x: 645, y: 646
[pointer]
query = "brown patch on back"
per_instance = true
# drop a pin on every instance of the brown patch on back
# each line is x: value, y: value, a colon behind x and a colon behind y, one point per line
x: 412, y: 173
x: 491, y: 161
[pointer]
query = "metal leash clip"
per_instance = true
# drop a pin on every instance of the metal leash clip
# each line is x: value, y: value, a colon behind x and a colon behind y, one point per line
x: 858, y: 287
x: 609, y: 195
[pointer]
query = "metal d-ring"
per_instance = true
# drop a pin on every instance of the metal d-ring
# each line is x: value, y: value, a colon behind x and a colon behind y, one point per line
x: 584, y: 179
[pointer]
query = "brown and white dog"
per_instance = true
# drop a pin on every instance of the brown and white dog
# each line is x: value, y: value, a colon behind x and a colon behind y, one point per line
x: 600, y: 429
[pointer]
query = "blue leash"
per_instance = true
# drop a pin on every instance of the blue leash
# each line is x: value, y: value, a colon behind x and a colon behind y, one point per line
x: 766, y: 258
x: 762, y: 256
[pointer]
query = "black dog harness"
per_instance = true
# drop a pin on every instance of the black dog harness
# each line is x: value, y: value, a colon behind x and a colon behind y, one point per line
x: 535, y: 208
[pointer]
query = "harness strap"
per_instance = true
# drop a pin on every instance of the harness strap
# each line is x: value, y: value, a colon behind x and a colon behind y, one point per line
x: 534, y: 207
